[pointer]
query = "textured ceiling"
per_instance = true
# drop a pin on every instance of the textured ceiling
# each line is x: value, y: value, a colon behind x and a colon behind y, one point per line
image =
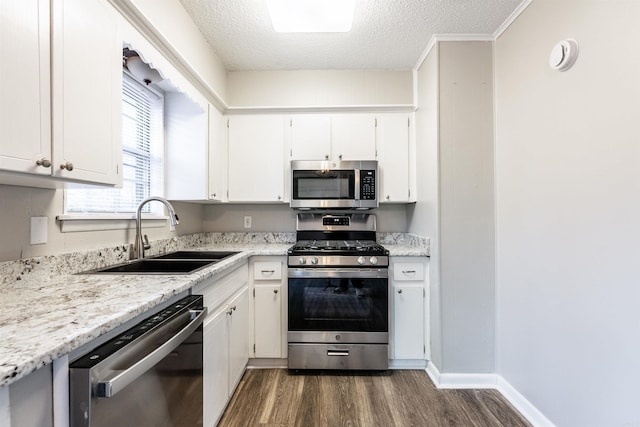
x: 386, y: 34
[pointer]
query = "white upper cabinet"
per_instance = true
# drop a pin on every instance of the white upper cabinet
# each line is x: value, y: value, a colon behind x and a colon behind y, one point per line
x: 25, y: 131
x: 217, y: 155
x: 256, y: 158
x: 333, y: 137
x: 186, y: 132
x: 86, y: 91
x: 353, y: 137
x: 393, y: 157
x: 310, y: 137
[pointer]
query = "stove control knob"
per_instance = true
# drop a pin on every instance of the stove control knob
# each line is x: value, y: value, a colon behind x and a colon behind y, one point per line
x: 361, y: 260
x: 302, y: 260
x: 314, y: 260
x: 373, y: 260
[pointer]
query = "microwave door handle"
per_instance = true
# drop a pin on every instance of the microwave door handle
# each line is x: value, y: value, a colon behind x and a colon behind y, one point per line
x: 118, y: 380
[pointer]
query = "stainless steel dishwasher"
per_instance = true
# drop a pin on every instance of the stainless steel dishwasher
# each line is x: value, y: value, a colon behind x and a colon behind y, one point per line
x: 150, y: 375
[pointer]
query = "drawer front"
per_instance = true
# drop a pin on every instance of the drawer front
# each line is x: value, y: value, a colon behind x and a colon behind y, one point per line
x: 217, y: 291
x: 267, y: 270
x: 403, y: 271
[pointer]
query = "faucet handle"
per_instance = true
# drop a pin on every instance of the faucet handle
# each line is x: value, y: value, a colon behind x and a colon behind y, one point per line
x: 145, y: 242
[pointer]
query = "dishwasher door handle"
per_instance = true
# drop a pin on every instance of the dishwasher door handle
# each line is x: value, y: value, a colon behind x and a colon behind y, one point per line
x: 119, y: 379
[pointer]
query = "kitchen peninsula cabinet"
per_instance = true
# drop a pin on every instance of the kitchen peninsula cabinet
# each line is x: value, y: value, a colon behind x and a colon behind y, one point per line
x: 256, y: 158
x: 69, y: 129
x: 408, y: 287
x: 226, y: 339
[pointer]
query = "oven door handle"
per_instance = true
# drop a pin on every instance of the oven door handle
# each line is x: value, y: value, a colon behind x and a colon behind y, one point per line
x: 116, y: 380
x: 339, y: 273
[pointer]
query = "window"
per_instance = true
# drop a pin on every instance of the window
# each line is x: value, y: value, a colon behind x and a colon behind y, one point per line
x: 142, y: 157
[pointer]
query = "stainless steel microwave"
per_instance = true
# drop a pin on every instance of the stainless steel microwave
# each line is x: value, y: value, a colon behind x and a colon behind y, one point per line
x: 330, y: 184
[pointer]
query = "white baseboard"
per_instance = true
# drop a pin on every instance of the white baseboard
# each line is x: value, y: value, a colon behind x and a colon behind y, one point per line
x: 407, y: 364
x: 490, y: 381
x: 262, y: 363
x: 526, y: 408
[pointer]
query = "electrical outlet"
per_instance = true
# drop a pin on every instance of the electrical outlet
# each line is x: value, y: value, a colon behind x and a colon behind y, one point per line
x: 38, y: 230
x: 247, y: 222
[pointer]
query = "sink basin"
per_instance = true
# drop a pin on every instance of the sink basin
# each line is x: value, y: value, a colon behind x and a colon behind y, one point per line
x: 156, y: 266
x: 196, y: 255
x: 179, y: 262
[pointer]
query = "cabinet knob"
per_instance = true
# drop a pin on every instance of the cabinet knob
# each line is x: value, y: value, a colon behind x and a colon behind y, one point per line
x: 326, y: 157
x: 68, y: 166
x: 399, y: 291
x: 44, y: 162
x: 388, y: 197
x: 213, y: 195
x: 279, y: 197
x: 340, y: 156
x: 275, y: 291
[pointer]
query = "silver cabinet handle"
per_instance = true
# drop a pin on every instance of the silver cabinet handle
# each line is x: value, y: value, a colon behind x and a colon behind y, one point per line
x: 399, y: 291
x: 44, y: 162
x: 408, y: 272
x: 119, y: 379
x: 337, y: 352
x: 68, y: 166
x: 267, y: 271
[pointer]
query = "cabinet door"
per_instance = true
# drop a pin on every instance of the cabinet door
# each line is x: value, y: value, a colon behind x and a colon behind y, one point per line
x: 408, y: 321
x: 215, y: 367
x: 310, y: 137
x: 217, y: 155
x: 353, y: 137
x: 256, y: 158
x: 87, y: 91
x: 268, y: 325
x: 25, y: 131
x: 238, y: 336
x: 186, y: 131
x: 393, y: 157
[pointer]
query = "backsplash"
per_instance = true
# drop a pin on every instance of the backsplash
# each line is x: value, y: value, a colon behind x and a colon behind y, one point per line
x: 12, y: 272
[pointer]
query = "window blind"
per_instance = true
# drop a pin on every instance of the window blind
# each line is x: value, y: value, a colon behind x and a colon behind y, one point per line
x: 142, y: 157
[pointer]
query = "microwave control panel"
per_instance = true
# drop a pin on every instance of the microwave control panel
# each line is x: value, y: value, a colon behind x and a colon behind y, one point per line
x: 367, y: 184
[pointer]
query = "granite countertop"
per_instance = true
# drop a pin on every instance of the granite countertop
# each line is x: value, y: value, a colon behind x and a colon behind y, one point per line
x: 46, y: 311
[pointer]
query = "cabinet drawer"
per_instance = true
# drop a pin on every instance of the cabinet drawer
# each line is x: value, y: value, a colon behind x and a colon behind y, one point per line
x: 267, y: 270
x: 408, y: 271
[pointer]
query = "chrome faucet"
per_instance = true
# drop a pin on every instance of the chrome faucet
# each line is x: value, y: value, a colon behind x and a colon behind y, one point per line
x: 141, y: 244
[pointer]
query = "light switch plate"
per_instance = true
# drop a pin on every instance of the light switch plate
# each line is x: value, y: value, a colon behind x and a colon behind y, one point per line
x: 39, y: 230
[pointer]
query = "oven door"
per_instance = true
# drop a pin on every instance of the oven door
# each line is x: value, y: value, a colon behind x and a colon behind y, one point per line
x: 338, y: 305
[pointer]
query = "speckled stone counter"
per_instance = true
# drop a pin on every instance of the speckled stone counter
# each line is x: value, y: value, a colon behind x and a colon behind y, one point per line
x: 47, y: 311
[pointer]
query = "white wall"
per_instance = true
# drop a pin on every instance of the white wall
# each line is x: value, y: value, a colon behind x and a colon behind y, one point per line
x: 19, y: 204
x: 423, y: 216
x: 568, y: 212
x: 456, y: 203
x: 311, y: 88
x: 281, y: 218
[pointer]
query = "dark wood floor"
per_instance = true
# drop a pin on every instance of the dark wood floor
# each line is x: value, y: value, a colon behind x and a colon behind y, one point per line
x: 276, y: 397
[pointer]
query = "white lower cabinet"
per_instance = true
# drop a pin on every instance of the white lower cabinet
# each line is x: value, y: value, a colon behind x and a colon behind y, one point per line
x: 269, y: 307
x: 226, y: 339
x: 408, y: 288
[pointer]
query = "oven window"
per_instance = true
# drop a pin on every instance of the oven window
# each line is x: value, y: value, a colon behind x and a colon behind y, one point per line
x: 324, y: 185
x: 338, y: 304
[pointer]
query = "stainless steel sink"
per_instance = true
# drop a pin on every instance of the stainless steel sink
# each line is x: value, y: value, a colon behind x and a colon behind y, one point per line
x: 180, y: 262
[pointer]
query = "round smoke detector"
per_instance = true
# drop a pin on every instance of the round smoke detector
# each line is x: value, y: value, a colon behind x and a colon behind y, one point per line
x: 563, y: 55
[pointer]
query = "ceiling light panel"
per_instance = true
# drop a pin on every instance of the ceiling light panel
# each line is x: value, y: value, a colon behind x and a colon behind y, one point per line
x: 311, y: 16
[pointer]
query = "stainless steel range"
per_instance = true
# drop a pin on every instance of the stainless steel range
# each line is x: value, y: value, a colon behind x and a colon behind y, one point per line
x: 338, y: 294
